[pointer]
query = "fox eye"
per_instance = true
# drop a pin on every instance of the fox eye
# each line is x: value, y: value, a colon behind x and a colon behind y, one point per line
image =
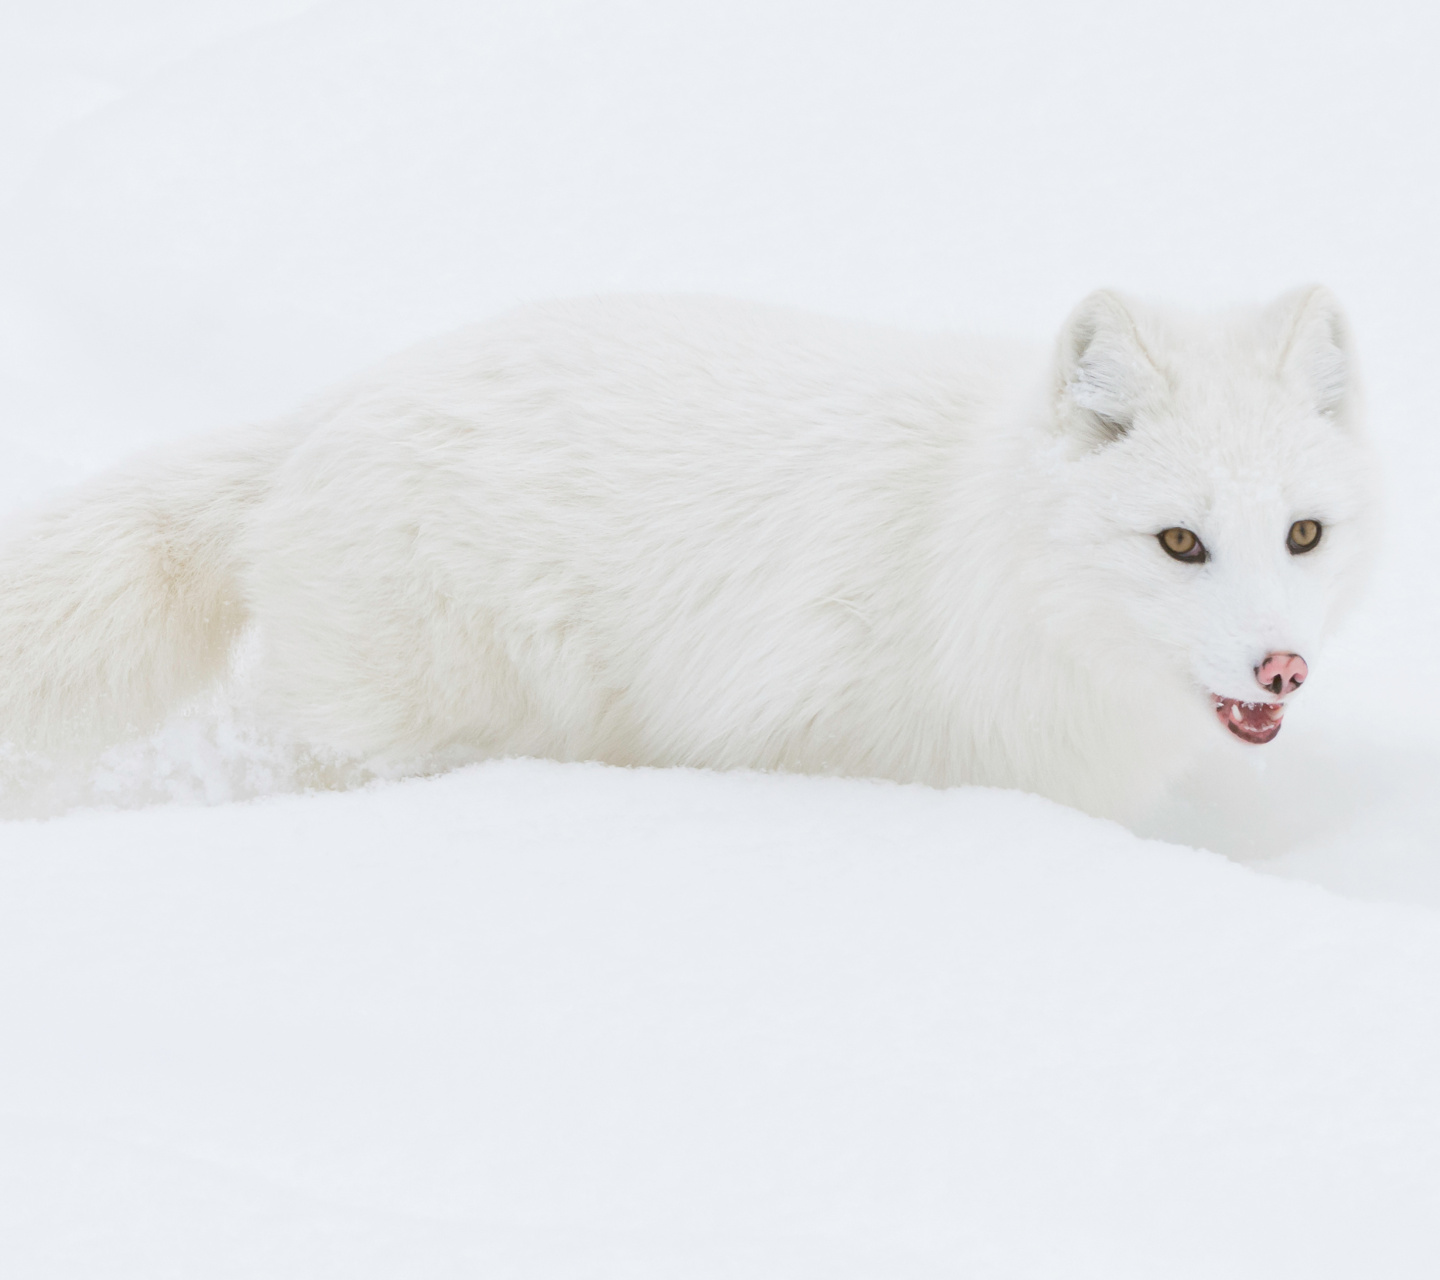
x: 1304, y: 536
x: 1181, y: 544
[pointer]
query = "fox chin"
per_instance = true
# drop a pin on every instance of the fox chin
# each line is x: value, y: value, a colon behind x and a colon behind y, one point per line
x: 697, y: 532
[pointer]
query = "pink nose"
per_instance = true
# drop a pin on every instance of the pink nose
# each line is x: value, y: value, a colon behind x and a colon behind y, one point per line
x: 1282, y: 673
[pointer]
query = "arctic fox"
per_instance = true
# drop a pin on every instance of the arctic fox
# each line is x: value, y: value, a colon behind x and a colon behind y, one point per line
x: 684, y: 531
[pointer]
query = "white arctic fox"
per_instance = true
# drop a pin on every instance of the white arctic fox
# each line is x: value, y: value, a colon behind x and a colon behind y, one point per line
x: 665, y: 531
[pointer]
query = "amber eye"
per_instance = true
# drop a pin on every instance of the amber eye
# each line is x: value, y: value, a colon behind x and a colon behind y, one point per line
x: 1304, y: 536
x: 1181, y: 544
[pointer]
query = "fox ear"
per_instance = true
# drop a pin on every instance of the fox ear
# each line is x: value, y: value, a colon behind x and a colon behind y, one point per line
x: 1103, y: 373
x: 1316, y: 352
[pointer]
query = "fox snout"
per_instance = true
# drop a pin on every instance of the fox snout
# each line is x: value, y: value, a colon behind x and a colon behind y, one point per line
x: 1282, y: 673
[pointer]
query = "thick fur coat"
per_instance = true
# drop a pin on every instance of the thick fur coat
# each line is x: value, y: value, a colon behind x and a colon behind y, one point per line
x: 670, y: 531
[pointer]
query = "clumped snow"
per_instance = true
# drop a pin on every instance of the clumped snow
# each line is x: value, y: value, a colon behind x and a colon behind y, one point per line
x: 537, y: 1020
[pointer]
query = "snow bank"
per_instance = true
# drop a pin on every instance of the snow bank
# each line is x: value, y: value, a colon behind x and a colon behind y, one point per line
x: 551, y: 1021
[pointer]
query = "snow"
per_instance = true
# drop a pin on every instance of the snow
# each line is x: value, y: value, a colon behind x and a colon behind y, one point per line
x: 536, y: 1020
x: 550, y: 1020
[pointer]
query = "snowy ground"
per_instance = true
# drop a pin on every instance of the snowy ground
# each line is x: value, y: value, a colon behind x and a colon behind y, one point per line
x: 535, y: 1020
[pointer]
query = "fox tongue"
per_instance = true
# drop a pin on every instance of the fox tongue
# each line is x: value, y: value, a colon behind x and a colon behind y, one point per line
x: 1253, y: 721
x: 1256, y: 715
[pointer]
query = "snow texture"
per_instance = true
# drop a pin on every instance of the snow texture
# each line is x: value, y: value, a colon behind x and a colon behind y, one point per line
x: 534, y: 1020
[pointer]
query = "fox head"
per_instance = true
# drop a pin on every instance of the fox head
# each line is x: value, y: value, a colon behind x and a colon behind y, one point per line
x: 1214, y: 478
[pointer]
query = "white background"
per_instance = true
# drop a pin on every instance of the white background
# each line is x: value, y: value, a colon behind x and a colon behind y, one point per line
x: 541, y: 1021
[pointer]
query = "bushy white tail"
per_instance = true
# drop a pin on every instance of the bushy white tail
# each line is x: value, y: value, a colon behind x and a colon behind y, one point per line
x: 123, y: 599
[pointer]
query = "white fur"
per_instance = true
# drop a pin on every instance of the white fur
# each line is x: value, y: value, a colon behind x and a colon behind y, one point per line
x: 692, y: 532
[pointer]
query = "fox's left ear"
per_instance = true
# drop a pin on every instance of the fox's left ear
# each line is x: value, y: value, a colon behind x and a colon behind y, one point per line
x: 1316, y: 352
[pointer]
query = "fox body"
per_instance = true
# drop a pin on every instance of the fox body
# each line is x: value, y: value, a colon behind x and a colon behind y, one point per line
x: 668, y: 531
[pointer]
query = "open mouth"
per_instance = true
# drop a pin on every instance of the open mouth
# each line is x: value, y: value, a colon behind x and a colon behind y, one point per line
x: 1253, y: 722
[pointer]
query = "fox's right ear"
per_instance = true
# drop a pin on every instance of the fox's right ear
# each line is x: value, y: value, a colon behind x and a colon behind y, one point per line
x: 1103, y: 374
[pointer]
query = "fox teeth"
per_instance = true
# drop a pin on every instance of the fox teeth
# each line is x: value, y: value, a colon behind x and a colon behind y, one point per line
x: 1234, y: 711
